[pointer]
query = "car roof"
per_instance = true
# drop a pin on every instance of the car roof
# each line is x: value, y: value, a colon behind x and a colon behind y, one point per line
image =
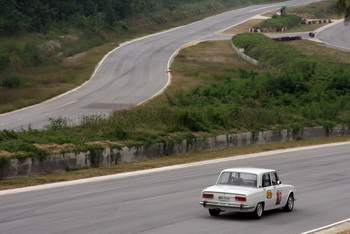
x: 252, y: 170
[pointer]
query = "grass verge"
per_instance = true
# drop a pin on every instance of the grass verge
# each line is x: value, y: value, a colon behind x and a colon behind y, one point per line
x: 160, y: 162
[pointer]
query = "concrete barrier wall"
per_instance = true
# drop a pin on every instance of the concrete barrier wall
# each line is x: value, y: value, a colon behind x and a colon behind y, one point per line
x: 68, y: 161
x: 244, y: 56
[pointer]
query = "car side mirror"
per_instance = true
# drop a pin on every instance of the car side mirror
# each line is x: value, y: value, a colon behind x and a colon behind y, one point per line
x: 279, y: 182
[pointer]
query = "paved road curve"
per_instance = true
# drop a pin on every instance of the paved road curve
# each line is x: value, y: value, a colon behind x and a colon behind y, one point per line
x: 337, y: 36
x: 130, y: 74
x: 166, y: 202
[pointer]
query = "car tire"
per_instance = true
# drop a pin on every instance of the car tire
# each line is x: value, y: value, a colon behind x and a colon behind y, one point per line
x: 290, y: 203
x: 259, y: 210
x: 214, y: 212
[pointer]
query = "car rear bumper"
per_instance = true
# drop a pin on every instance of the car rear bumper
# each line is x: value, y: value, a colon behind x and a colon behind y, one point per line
x: 229, y: 207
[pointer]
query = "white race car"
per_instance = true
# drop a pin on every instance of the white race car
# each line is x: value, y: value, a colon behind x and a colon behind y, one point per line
x: 252, y: 190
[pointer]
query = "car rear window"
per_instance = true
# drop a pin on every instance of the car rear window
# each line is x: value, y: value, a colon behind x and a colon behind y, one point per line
x: 238, y: 179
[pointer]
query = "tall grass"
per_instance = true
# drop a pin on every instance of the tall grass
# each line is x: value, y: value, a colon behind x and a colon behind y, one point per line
x: 279, y: 21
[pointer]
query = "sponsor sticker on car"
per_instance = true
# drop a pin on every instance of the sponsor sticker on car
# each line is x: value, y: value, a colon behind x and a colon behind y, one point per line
x: 279, y: 197
x: 269, y: 194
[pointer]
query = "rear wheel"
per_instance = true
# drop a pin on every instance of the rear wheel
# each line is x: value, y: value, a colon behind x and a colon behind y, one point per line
x: 290, y: 203
x: 214, y: 212
x: 258, y: 212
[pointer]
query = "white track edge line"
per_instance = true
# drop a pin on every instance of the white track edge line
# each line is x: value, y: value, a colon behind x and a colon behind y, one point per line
x: 326, y: 227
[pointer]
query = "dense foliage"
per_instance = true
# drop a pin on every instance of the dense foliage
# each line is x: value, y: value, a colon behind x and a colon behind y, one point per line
x: 343, y: 8
x: 312, y: 90
x: 41, y: 15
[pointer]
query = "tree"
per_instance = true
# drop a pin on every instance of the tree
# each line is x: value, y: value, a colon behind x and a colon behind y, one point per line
x: 110, y: 13
x: 342, y: 7
x: 12, y: 20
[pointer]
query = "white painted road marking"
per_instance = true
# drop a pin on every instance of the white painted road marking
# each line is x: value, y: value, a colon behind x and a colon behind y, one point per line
x: 326, y: 227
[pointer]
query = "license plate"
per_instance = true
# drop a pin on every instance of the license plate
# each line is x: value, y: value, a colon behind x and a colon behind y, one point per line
x: 224, y: 199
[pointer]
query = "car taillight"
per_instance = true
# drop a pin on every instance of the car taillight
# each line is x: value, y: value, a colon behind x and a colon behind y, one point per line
x: 240, y: 198
x: 208, y: 195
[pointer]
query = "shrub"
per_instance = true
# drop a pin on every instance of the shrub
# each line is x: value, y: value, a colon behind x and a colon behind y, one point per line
x: 4, y: 62
x: 193, y: 120
x: 11, y: 82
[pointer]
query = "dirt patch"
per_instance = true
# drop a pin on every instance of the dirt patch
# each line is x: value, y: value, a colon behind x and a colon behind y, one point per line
x: 104, y: 144
x: 215, y: 55
x: 55, y: 148
x: 244, y: 27
x: 220, y: 52
x: 213, y: 59
x: 50, y: 46
x: 74, y: 59
x: 305, y: 15
x: 191, y: 44
x: 5, y: 153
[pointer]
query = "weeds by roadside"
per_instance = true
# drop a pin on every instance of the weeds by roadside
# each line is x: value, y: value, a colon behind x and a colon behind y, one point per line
x: 159, y: 162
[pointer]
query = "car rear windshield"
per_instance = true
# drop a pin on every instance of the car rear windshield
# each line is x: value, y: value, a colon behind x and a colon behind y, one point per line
x: 238, y: 179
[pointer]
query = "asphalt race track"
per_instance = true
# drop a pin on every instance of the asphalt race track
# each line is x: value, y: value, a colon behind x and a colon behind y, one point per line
x: 167, y: 201
x: 131, y: 74
x: 337, y: 36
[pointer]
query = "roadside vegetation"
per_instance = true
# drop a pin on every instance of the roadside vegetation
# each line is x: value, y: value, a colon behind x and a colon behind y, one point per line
x: 49, y: 47
x: 215, y: 92
x: 342, y: 8
x: 317, y: 10
x: 300, y: 84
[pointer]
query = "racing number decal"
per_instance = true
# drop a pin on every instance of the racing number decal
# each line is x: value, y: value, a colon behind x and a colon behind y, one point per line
x: 269, y: 194
x: 279, y: 197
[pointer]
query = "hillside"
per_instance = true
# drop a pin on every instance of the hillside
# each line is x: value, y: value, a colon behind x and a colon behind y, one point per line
x: 49, y: 47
